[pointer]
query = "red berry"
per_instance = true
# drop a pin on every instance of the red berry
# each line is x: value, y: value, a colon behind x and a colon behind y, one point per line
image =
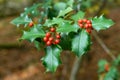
x: 86, y: 26
x: 80, y: 21
x: 45, y: 39
x: 88, y: 22
x: 48, y: 34
x: 90, y: 25
x: 107, y: 67
x: 52, y: 29
x: 88, y: 30
x: 30, y: 24
x: 57, y: 41
x: 48, y: 43
x: 85, y: 20
x: 81, y: 25
x: 51, y: 39
x: 58, y: 36
x: 54, y: 42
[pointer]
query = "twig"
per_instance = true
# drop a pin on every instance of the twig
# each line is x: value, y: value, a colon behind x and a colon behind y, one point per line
x: 75, y: 68
x: 106, y: 49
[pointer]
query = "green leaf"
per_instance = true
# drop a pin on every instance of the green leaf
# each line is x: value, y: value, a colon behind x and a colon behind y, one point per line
x: 37, y: 44
x: 65, y: 42
x: 63, y: 12
x: 101, y: 65
x: 75, y: 25
x: 35, y: 32
x: 112, y: 74
x: 31, y: 10
x: 86, y: 4
x: 21, y: 20
x: 101, y: 23
x: 60, y: 6
x: 52, y: 58
x: 70, y: 3
x: 66, y: 27
x: 116, y: 62
x: 54, y: 21
x: 81, y: 43
x: 24, y: 19
x: 78, y: 15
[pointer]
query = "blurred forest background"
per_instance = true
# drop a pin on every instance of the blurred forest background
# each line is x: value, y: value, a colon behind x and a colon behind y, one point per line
x: 21, y: 61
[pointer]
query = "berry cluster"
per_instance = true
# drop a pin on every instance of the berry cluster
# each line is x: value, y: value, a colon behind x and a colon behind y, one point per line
x: 52, y: 37
x: 86, y: 24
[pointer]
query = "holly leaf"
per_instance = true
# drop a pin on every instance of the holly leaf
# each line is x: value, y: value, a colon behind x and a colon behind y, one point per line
x: 70, y: 3
x: 66, y: 27
x: 78, y: 15
x: 75, y: 25
x: 37, y: 44
x: 116, y: 62
x: 52, y: 58
x: 86, y: 4
x: 35, y: 32
x: 31, y: 10
x: 101, y: 23
x: 60, y: 6
x: 65, y: 42
x: 64, y: 12
x: 112, y: 74
x: 81, y: 43
x: 54, y: 21
x: 21, y: 20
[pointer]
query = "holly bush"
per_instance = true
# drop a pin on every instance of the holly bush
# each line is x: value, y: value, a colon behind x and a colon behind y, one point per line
x: 109, y: 70
x: 57, y: 27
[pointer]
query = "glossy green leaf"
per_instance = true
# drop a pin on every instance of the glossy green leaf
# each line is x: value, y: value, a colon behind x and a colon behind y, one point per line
x: 101, y: 23
x: 64, y: 12
x: 75, y: 25
x: 60, y: 6
x: 31, y: 10
x: 78, y: 15
x: 116, y: 62
x: 21, y: 20
x: 52, y: 58
x: 81, y: 43
x: 54, y: 21
x: 86, y: 4
x: 37, y: 44
x: 70, y: 3
x: 35, y: 32
x: 65, y: 42
x: 66, y: 27
x: 112, y: 74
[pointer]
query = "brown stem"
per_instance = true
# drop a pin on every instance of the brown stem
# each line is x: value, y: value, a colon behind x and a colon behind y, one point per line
x: 75, y: 68
x: 106, y: 49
